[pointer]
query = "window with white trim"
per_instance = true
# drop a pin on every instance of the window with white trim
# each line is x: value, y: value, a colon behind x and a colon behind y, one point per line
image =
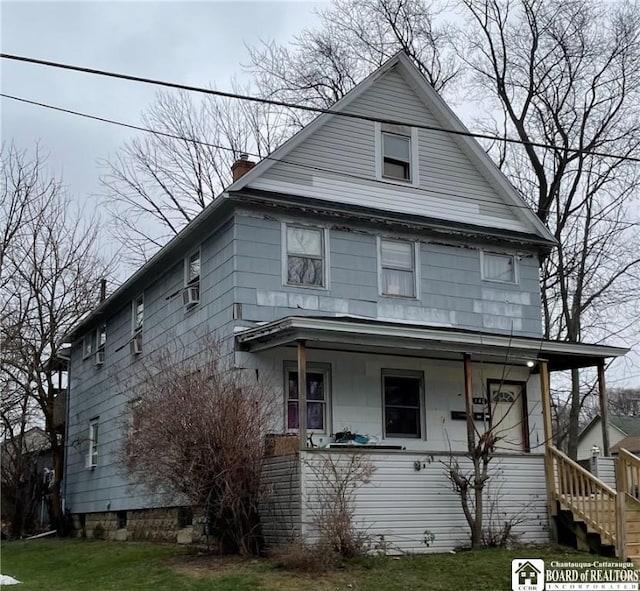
x: 398, y: 263
x: 137, y: 322
x: 88, y: 345
x: 317, y: 398
x: 305, y: 256
x: 92, y: 454
x: 499, y: 267
x: 191, y: 295
x: 402, y: 403
x: 396, y: 156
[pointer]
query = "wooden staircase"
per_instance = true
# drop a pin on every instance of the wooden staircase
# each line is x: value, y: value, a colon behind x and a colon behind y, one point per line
x: 601, y: 519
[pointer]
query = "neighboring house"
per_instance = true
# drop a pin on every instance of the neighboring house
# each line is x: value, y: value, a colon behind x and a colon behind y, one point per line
x: 26, y: 469
x: 398, y: 268
x: 624, y: 431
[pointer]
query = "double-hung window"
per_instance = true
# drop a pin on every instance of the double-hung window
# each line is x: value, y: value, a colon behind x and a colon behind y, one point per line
x: 88, y: 345
x: 305, y: 256
x: 191, y: 294
x: 398, y: 268
x: 396, y: 156
x: 402, y: 396
x: 317, y: 398
x: 499, y: 267
x: 92, y: 454
x: 137, y: 322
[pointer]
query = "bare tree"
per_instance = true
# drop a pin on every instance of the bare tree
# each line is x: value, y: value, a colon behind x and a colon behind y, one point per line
x: 158, y: 183
x: 197, y: 433
x: 50, y: 272
x: 353, y: 39
x: 568, y: 74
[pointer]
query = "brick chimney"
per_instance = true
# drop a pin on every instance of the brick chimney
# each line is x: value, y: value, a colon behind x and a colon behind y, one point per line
x: 241, y: 166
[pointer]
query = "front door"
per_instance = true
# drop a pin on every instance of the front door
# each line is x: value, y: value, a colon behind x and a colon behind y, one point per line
x: 508, y: 415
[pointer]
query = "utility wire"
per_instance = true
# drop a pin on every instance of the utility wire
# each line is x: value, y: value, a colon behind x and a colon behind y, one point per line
x: 244, y: 97
x: 281, y: 160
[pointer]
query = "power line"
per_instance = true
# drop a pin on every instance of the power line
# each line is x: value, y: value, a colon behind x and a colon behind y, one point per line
x: 244, y: 97
x: 281, y: 160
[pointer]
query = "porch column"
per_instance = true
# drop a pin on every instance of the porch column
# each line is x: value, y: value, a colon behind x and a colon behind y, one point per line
x: 468, y: 401
x: 302, y: 394
x: 604, y: 408
x: 545, y: 393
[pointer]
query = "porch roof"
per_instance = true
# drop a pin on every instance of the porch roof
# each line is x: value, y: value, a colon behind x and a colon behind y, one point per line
x: 347, y: 333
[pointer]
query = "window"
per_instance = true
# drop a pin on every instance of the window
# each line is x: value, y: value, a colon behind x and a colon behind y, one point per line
x: 396, y: 156
x: 305, y: 256
x: 398, y: 268
x: 92, y: 454
x: 101, y: 337
x: 402, y: 394
x: 396, y: 149
x: 122, y: 519
x: 137, y: 322
x: 134, y: 415
x: 498, y: 267
x: 191, y: 294
x: 87, y: 345
x: 317, y: 398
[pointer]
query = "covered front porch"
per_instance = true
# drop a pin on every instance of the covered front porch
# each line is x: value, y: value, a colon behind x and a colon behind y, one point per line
x: 417, y: 396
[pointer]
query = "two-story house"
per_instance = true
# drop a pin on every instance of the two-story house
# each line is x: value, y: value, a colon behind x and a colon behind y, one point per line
x: 381, y: 253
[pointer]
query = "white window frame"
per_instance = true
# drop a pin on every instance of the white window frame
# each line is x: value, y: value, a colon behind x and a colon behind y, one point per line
x: 94, y: 442
x: 405, y: 373
x: 416, y: 267
x: 137, y: 329
x: 323, y: 368
x: 514, y: 258
x: 414, y: 165
x: 88, y: 348
x: 101, y: 330
x: 325, y: 255
x: 187, y: 259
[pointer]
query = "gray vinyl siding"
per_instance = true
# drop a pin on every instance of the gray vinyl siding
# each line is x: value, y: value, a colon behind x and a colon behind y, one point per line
x: 338, y: 163
x: 281, y: 503
x: 399, y: 504
x: 451, y: 290
x: 605, y: 469
x: 104, y: 392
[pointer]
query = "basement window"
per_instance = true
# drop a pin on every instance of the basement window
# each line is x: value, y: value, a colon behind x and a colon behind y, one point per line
x: 122, y: 519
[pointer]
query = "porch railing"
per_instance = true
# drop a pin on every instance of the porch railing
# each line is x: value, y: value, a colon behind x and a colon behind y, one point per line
x: 583, y: 494
x: 628, y: 473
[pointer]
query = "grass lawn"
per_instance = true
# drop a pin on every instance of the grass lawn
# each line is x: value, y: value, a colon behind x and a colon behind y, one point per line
x: 79, y: 565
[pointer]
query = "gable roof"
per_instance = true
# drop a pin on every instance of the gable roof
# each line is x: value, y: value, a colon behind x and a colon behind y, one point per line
x: 628, y: 426
x: 426, y: 93
x: 527, y: 565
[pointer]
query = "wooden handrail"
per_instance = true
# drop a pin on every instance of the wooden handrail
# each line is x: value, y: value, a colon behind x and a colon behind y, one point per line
x: 628, y: 473
x: 585, y: 495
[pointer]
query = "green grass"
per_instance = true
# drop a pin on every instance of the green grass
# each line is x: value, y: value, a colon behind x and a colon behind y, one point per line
x: 79, y: 565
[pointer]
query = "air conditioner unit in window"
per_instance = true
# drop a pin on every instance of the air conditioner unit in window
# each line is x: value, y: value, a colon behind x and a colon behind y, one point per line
x: 136, y: 344
x: 191, y: 295
x: 100, y: 357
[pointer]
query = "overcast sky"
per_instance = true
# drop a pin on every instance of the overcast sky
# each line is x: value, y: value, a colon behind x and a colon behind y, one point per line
x: 196, y: 43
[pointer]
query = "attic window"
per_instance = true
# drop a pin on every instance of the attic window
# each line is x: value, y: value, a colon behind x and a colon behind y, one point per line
x: 396, y: 156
